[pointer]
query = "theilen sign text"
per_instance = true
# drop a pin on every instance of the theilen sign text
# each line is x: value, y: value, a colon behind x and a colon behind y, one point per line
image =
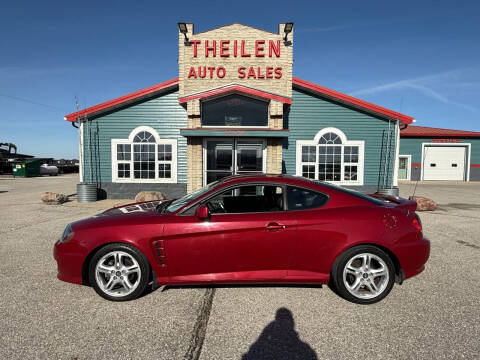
x: 235, y: 49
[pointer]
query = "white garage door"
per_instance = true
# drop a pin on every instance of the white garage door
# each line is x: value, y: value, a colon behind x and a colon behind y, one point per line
x: 444, y: 163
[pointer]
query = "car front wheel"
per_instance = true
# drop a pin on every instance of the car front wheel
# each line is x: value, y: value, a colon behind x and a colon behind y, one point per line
x: 119, y: 272
x: 364, y: 274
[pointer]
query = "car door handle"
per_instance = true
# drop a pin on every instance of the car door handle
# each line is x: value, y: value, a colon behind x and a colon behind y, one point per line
x: 275, y: 226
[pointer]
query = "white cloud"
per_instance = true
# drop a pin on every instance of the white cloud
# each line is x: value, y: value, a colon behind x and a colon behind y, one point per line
x: 427, y: 85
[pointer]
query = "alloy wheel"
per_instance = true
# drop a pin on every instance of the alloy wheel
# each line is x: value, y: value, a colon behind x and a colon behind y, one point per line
x: 117, y: 274
x: 366, y: 276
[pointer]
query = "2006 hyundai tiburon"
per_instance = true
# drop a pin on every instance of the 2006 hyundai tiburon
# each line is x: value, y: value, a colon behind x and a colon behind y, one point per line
x: 249, y: 229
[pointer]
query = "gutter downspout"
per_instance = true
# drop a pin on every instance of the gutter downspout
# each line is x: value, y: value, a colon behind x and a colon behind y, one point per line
x: 397, y: 153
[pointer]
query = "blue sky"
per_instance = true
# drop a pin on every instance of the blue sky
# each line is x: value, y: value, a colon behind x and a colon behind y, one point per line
x: 421, y: 58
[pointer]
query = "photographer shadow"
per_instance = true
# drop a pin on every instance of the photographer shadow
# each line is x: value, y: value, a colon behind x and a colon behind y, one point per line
x: 279, y: 340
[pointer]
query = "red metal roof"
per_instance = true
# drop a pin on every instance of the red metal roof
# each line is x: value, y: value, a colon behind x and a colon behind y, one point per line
x: 323, y: 91
x: 352, y: 101
x: 419, y: 131
x: 121, y: 100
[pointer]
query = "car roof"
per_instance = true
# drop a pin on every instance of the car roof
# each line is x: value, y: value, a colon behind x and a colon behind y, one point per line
x: 245, y: 178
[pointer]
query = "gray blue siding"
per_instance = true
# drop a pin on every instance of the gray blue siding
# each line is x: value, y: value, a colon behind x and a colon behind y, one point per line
x: 163, y: 113
x: 309, y: 114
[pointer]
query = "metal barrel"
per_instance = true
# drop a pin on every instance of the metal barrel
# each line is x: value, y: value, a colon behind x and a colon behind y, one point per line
x: 389, y: 191
x: 86, y: 192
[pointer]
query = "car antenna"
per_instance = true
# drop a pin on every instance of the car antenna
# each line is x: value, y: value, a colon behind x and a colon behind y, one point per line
x: 421, y: 167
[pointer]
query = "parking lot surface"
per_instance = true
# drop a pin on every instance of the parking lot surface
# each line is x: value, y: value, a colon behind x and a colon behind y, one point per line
x: 432, y: 316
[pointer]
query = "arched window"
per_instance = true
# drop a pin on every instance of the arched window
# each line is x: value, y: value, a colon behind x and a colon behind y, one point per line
x: 144, y: 157
x: 144, y: 137
x: 331, y: 157
x: 330, y: 138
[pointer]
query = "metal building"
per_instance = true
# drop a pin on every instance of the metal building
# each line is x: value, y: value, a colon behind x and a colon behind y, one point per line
x: 236, y: 108
x: 428, y: 153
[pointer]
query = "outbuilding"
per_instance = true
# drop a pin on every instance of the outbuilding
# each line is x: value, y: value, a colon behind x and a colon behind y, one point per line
x: 236, y: 108
x: 428, y: 153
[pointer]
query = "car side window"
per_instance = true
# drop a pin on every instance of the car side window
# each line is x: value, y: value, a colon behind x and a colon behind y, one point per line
x: 248, y: 199
x: 303, y: 199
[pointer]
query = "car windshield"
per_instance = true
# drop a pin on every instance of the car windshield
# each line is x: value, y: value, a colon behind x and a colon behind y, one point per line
x: 177, y: 204
x: 352, y: 192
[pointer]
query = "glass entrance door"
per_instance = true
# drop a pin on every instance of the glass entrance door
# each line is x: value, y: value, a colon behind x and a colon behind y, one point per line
x: 231, y: 157
x: 249, y: 157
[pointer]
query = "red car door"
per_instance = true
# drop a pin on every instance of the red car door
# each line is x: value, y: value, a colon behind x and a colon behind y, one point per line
x: 251, y: 246
x: 233, y: 245
x: 319, y: 232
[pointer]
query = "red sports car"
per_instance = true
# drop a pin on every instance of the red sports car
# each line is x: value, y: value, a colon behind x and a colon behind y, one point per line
x: 249, y: 229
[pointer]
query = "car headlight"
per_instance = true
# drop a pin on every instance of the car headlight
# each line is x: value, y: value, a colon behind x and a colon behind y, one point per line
x: 67, y: 234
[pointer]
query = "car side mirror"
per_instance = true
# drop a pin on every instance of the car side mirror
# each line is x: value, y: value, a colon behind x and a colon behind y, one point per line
x: 202, y: 212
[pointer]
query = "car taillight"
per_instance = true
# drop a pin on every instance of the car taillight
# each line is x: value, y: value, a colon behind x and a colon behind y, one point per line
x: 417, y: 223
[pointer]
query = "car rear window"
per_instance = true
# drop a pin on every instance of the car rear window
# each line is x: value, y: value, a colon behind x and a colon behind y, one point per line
x: 352, y: 192
x: 303, y: 199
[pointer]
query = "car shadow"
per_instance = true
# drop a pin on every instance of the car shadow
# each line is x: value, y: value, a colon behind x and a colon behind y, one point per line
x: 279, y: 340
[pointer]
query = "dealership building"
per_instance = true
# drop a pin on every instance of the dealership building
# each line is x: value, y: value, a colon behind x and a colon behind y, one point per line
x: 236, y: 108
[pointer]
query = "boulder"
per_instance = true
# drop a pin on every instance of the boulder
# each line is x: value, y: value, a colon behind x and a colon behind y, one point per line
x: 423, y: 203
x: 149, y: 196
x: 51, y: 198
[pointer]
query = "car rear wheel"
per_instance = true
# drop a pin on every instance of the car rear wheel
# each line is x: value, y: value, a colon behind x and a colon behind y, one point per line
x: 119, y: 272
x: 364, y: 274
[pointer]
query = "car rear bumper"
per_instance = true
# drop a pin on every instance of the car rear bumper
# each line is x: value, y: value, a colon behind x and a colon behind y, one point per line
x: 69, y: 262
x: 413, y: 256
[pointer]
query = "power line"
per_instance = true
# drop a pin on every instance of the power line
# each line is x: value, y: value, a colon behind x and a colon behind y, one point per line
x: 34, y: 102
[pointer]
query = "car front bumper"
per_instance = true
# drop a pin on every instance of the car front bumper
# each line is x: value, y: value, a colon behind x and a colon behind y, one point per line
x: 70, y: 258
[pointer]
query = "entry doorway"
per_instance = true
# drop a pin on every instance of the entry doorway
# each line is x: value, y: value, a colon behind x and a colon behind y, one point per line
x: 404, y: 167
x: 225, y: 157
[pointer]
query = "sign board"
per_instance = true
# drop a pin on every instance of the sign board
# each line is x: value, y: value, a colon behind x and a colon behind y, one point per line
x: 235, y: 54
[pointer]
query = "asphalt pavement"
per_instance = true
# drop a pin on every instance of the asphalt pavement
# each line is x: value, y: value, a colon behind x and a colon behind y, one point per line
x: 432, y: 316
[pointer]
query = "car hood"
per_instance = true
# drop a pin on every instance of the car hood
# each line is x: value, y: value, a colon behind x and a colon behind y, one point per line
x: 146, y: 206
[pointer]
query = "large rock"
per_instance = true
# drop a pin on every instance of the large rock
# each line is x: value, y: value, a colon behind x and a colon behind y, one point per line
x: 51, y: 198
x: 423, y: 203
x: 149, y: 196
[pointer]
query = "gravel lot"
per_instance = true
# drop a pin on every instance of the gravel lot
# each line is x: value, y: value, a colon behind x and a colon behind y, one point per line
x: 435, y: 315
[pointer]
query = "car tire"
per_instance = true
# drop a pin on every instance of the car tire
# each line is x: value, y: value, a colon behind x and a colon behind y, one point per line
x: 363, y: 274
x: 119, y: 272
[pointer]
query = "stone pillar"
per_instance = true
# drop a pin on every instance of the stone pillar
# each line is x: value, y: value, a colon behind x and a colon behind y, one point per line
x: 275, y: 115
x: 193, y: 114
x: 194, y: 163
x: 274, y: 156
x: 274, y: 145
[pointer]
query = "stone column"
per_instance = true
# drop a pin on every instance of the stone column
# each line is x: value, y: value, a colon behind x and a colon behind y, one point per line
x: 274, y: 145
